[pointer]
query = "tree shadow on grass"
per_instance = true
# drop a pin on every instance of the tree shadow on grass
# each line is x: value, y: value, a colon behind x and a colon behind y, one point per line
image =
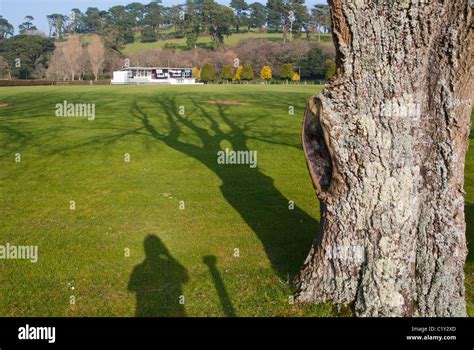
x: 286, y: 234
x: 157, y: 282
x: 469, y: 213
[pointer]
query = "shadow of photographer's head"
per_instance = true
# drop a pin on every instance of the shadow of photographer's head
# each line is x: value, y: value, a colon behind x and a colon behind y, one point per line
x: 154, y: 248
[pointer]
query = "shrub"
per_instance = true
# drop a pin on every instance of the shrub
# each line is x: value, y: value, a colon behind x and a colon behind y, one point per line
x: 226, y: 73
x: 238, y: 73
x: 287, y: 71
x: 148, y: 36
x: 207, y: 73
x: 171, y: 46
x: 266, y: 73
x: 247, y: 72
x: 295, y: 77
x: 26, y: 82
x: 196, y: 73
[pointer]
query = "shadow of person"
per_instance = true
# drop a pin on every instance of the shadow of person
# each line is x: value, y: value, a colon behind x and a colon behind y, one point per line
x: 157, y: 282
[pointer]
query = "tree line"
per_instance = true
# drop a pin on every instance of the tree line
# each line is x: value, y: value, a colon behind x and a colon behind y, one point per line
x: 32, y: 54
x: 119, y: 24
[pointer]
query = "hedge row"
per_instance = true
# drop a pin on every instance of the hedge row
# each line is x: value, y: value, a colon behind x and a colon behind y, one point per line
x: 272, y: 82
x: 107, y: 82
x: 51, y: 82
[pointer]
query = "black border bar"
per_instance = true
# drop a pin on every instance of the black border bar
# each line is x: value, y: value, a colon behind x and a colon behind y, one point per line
x: 354, y: 331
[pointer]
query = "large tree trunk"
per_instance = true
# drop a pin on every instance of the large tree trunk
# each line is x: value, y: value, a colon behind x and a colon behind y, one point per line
x: 385, y: 144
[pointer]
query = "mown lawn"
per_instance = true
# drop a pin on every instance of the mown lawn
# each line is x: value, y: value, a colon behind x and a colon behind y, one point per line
x: 172, y: 135
x: 120, y: 204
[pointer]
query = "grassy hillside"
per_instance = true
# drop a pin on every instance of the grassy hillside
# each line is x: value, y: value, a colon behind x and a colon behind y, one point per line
x: 205, y: 41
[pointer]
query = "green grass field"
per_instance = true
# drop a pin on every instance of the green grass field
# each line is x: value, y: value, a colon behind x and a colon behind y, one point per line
x: 134, y: 206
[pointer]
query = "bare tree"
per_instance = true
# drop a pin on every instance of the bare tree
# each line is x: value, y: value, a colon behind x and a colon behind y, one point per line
x: 72, y: 52
x: 85, y: 67
x: 96, y: 51
x: 57, y: 68
x: 385, y: 144
x: 4, y: 68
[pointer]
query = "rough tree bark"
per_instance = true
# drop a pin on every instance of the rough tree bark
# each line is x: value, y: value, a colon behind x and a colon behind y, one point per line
x: 385, y: 144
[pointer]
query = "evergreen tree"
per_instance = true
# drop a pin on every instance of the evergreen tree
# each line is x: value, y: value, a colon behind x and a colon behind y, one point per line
x: 257, y: 16
x: 226, y: 73
x: 287, y: 71
x: 148, y: 35
x: 240, y: 7
x: 208, y: 73
x: 314, y: 66
x: 27, y: 25
x: 247, y: 72
x: 6, y: 29
x: 266, y: 73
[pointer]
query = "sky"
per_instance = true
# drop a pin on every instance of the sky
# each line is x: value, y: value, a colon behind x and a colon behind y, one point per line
x: 16, y: 10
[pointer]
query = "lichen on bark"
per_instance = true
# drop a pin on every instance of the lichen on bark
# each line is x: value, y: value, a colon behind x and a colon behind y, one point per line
x: 385, y: 144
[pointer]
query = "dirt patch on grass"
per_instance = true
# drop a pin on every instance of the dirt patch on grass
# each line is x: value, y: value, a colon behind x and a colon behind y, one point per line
x: 3, y: 105
x: 228, y: 102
